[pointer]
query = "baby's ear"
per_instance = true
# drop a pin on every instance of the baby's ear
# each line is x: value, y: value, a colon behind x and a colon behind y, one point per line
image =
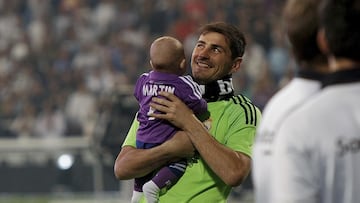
x: 183, y: 64
x: 322, y: 41
x: 151, y: 64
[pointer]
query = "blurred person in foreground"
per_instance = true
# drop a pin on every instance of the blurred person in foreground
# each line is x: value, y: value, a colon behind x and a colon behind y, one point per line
x: 301, y: 23
x: 317, y: 151
x: 167, y: 60
x: 224, y: 145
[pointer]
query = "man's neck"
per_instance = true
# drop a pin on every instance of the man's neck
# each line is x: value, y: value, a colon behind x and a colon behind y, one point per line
x: 221, y: 89
x: 337, y: 64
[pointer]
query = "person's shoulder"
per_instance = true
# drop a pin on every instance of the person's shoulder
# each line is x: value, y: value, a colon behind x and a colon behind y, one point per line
x: 297, y: 92
x: 187, y: 79
x: 143, y: 76
x: 146, y: 74
x: 188, y: 83
x: 240, y: 100
x: 242, y: 105
x: 142, y: 79
x: 306, y: 115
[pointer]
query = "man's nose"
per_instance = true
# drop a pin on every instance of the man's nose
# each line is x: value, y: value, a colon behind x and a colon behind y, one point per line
x: 204, y: 53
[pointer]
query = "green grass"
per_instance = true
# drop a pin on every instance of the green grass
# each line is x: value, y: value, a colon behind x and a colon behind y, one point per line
x: 23, y: 199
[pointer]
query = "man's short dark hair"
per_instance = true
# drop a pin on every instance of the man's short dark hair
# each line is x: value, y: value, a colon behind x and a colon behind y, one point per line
x: 235, y: 38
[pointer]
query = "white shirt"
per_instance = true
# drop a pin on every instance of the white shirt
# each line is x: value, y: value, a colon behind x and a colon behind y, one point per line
x: 298, y: 91
x: 317, y: 149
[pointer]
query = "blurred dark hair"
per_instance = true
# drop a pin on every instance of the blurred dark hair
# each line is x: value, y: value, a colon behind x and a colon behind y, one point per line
x: 302, y: 25
x: 235, y: 38
x: 340, y: 20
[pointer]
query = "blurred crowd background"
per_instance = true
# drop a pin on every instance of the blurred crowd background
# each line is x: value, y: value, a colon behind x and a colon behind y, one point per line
x: 67, y: 67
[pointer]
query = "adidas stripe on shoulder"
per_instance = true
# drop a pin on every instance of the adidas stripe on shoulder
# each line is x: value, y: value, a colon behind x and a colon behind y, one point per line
x: 248, y: 107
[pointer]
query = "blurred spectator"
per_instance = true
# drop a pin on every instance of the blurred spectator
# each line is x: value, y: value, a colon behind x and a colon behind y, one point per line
x: 11, y: 28
x: 127, y: 15
x: 261, y: 32
x: 80, y: 111
x: 135, y: 36
x: 158, y: 15
x: 8, y: 108
x: 62, y: 60
x: 278, y: 56
x: 263, y: 88
x: 50, y: 123
x: 24, y: 122
x: 37, y: 31
x: 192, y: 15
x: 5, y: 61
x: 255, y: 61
x: 87, y: 57
x: 102, y: 82
x: 104, y: 16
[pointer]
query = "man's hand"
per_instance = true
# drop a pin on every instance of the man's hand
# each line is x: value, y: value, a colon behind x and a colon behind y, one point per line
x: 174, y: 110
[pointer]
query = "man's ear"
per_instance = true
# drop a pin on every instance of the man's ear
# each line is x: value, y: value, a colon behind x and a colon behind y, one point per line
x: 236, y: 65
x: 322, y: 42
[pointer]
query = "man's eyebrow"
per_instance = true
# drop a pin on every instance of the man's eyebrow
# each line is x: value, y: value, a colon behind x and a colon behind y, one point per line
x: 212, y: 45
x: 217, y: 46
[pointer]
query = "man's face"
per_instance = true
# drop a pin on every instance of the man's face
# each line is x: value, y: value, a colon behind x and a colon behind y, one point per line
x: 211, y: 58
